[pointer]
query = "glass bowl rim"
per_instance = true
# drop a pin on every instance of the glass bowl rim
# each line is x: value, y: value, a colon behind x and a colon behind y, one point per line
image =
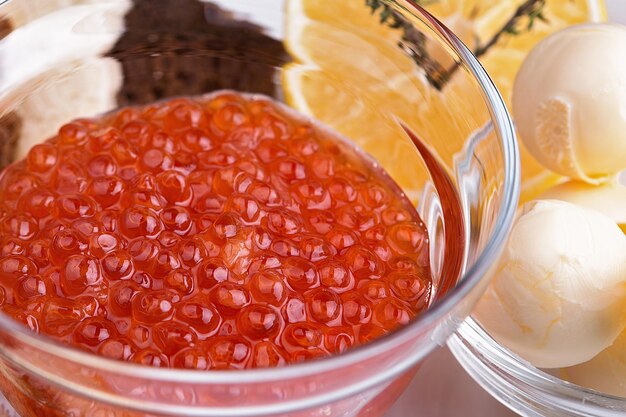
x: 540, y: 386
x: 502, y: 123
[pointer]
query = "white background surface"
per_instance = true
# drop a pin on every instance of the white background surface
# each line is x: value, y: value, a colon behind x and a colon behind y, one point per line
x: 442, y: 388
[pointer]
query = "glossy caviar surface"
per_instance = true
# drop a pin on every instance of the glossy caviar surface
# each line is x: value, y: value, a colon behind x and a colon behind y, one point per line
x: 219, y: 232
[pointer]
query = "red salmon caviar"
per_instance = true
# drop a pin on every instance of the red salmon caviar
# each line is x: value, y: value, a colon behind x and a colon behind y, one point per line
x: 220, y: 232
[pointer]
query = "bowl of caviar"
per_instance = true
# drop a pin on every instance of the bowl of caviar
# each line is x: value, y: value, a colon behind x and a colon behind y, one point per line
x: 251, y: 208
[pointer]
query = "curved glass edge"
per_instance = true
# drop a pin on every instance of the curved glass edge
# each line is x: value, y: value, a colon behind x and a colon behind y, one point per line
x: 520, y: 386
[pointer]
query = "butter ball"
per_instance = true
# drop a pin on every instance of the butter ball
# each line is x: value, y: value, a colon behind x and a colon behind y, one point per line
x: 569, y: 101
x: 558, y: 297
x: 605, y: 373
x: 608, y: 198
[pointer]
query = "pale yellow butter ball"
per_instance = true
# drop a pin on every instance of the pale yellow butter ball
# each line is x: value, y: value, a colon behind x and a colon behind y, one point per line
x: 558, y: 297
x: 569, y: 101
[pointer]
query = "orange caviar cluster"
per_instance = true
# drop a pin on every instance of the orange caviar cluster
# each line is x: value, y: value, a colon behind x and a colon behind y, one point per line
x: 220, y: 232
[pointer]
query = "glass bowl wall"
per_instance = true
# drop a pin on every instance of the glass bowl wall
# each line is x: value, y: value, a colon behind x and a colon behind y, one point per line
x: 520, y: 386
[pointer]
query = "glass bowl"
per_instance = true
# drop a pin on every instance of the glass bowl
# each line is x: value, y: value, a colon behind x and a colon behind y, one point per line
x: 63, y: 59
x: 517, y: 384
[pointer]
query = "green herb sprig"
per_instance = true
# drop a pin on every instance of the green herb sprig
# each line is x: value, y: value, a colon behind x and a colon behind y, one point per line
x: 414, y: 42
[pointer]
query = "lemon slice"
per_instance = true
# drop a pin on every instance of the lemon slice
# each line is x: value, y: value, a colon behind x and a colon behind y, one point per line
x: 356, y: 96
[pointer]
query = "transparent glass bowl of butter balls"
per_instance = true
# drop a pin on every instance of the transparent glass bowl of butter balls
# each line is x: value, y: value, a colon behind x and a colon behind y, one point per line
x: 576, y: 336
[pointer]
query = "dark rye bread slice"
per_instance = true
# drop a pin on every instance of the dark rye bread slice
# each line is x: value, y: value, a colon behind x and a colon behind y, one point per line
x: 175, y: 48
x: 10, y: 123
x: 187, y: 47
